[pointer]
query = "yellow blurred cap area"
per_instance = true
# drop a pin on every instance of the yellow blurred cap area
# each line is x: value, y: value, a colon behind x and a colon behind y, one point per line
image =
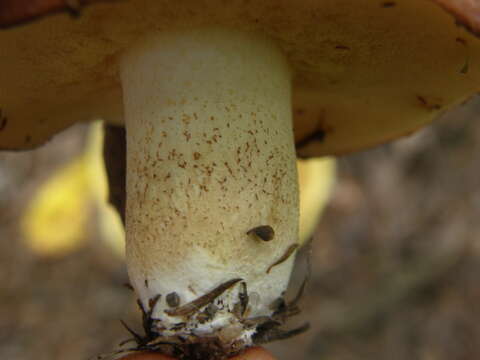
x: 55, y: 219
x: 316, y: 179
x: 55, y: 222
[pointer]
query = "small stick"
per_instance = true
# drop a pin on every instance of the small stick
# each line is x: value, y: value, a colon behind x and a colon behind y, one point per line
x: 140, y: 306
x: 284, y: 257
x: 147, y: 320
x: 138, y: 338
x: 126, y: 342
x: 152, y: 303
x: 243, y: 296
x: 193, y: 306
x: 260, y: 320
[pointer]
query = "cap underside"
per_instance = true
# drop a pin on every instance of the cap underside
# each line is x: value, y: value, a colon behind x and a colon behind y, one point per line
x: 365, y: 72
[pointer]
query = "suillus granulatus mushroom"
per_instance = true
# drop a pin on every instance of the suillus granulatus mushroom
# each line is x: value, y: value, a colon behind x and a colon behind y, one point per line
x: 207, y: 92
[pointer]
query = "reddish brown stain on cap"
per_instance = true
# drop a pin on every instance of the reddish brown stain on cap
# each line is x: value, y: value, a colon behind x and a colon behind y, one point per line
x: 466, y: 12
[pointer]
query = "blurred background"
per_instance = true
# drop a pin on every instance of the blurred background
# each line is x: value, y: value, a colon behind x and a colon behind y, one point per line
x: 395, y: 259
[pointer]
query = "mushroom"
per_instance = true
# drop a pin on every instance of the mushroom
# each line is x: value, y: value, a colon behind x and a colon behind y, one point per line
x: 316, y: 178
x: 207, y: 92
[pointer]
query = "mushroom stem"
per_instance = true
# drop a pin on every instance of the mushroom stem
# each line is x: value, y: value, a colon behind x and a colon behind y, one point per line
x: 210, y: 155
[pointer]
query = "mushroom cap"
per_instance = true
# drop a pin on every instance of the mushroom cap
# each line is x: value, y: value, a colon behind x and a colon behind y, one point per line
x: 467, y: 12
x: 365, y: 71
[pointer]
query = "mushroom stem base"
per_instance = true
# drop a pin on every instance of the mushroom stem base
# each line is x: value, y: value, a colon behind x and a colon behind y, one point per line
x: 210, y: 156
